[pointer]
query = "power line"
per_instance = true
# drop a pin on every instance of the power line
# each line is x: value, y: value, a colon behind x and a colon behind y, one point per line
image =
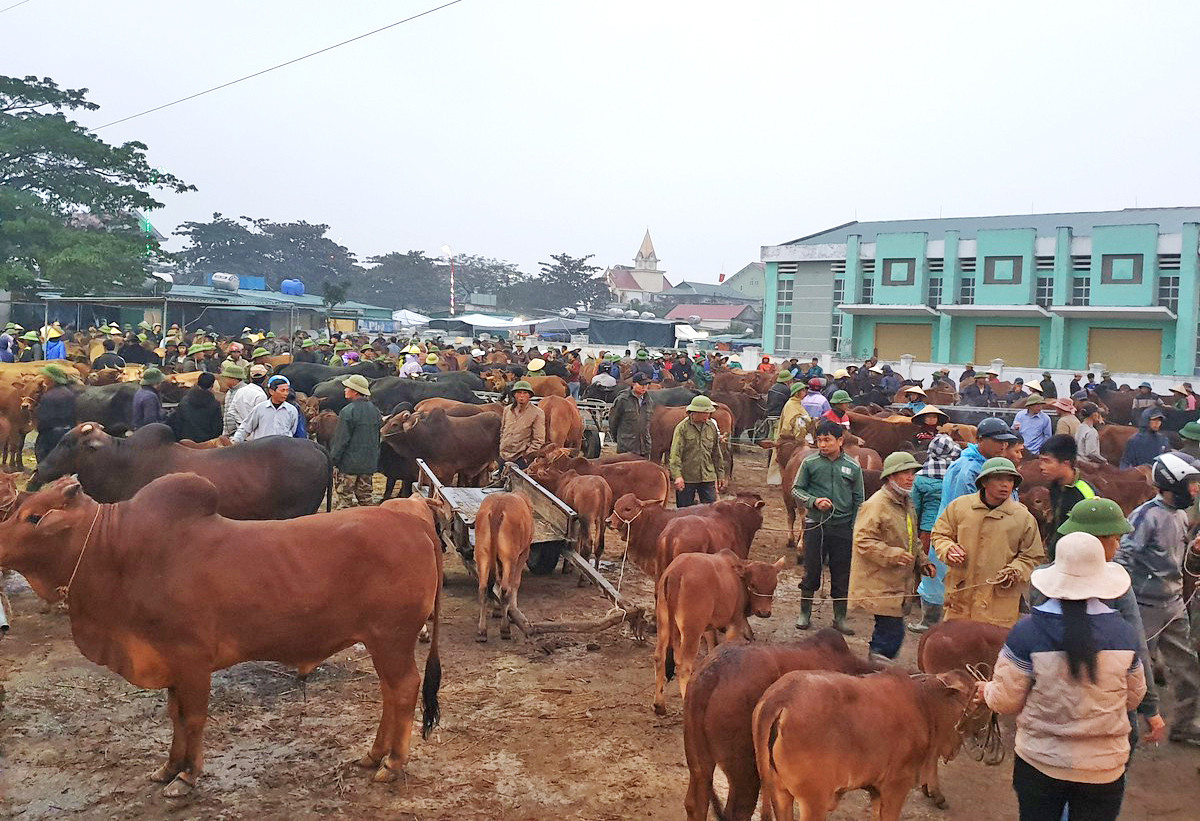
x: 13, y: 6
x: 275, y: 67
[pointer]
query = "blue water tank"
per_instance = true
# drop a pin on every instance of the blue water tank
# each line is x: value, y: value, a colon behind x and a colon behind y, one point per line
x: 292, y: 287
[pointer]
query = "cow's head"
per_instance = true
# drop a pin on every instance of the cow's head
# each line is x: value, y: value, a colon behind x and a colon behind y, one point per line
x: 34, y: 539
x: 394, y: 425
x: 958, y: 713
x: 80, y: 444
x: 760, y: 580
x: 628, y: 508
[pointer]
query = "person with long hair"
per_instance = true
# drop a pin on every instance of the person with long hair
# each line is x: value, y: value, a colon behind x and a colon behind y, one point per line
x: 1070, y: 673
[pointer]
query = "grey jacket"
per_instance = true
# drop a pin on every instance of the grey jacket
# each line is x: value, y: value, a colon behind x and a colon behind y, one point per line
x: 629, y: 423
x: 1154, y: 554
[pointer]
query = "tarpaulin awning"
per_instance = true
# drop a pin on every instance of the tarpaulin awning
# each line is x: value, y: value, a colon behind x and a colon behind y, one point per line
x: 652, y: 333
x: 409, y: 318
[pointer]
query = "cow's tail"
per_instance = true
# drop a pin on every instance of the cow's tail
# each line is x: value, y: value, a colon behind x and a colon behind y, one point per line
x: 431, y: 711
x: 772, y: 737
x: 329, y: 483
x: 667, y: 624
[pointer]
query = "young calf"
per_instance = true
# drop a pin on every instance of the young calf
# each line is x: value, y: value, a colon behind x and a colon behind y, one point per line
x: 702, y: 592
x: 591, y: 497
x: 503, y: 534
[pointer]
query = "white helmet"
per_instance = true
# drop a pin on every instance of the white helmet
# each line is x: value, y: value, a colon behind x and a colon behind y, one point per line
x: 1173, y: 473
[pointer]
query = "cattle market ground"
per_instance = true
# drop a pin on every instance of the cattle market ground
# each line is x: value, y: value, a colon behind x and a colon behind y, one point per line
x: 555, y: 727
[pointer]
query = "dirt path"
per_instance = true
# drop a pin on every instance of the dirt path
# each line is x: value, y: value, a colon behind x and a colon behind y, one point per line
x: 556, y: 727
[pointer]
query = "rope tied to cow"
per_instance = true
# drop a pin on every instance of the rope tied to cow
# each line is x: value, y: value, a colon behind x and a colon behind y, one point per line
x: 65, y: 590
x: 986, y: 741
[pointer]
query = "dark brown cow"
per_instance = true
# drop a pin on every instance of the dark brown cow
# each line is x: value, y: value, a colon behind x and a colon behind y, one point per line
x: 164, y: 617
x: 720, y: 701
x: 276, y: 477
x: 662, y: 429
x: 589, y: 496
x: 952, y: 645
x: 322, y: 427
x: 564, y: 425
x: 1037, y: 502
x: 637, y: 476
x: 748, y: 408
x: 706, y: 534
x: 503, y: 535
x: 700, y: 593
x: 1128, y: 488
x: 818, y: 735
x: 882, y: 435
x: 1118, y: 405
x: 462, y: 446
x: 1113, y: 439
x: 642, y: 521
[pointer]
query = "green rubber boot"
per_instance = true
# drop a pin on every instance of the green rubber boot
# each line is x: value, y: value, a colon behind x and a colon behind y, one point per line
x: 839, y: 619
x: 804, y: 620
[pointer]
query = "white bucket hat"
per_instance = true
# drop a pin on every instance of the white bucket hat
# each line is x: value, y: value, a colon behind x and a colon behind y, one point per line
x: 1080, y: 572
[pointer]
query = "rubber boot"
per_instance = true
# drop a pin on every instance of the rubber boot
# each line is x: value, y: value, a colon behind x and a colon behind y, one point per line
x: 839, y: 619
x: 931, y: 615
x: 804, y: 620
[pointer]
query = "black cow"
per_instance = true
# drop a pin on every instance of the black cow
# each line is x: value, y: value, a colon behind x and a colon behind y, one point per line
x: 390, y: 391
x: 305, y: 376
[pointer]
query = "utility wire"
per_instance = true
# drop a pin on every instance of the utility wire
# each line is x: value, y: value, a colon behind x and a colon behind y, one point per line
x: 275, y: 67
x: 13, y: 6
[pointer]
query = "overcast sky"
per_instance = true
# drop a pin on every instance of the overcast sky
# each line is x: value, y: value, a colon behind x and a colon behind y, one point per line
x: 520, y: 128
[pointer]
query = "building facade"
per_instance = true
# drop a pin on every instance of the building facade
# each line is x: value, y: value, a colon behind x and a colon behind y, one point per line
x: 1063, y: 291
x: 750, y: 281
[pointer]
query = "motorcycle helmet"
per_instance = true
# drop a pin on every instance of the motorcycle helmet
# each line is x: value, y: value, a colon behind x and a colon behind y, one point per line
x: 1173, y: 474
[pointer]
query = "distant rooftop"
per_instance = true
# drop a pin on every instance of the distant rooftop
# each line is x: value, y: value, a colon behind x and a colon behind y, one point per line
x: 690, y: 288
x: 1081, y: 223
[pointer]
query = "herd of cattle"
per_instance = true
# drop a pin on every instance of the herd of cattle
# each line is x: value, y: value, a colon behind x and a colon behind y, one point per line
x: 99, y: 535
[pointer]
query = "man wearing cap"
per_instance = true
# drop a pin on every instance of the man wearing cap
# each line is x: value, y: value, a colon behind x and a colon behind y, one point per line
x: 240, y: 396
x: 629, y: 419
x: 914, y: 399
x: 305, y: 352
x: 1087, y: 436
x: 968, y: 372
x: 1033, y: 424
x: 55, y: 411
x: 1107, y: 382
x: 1143, y: 400
x: 1076, y: 386
x: 779, y: 393
x: 940, y: 379
x: 978, y: 394
x: 641, y: 364
x: 431, y: 364
x: 888, y: 558
x: 32, y: 350
x: 990, y: 544
x: 522, y: 427
x: 147, y: 406
x: 275, y: 417
x: 1047, y: 386
x: 697, y: 458
x: 1015, y: 394
x: 1156, y: 553
x: 1190, y: 434
x: 355, y: 446
x: 1148, y: 443
x: 841, y: 382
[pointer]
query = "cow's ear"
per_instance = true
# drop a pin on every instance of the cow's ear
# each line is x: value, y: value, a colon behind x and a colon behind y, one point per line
x: 780, y: 562
x: 72, y: 490
x: 956, y: 682
x: 760, y: 503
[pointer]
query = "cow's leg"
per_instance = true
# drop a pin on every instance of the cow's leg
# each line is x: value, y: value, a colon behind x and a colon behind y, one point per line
x: 167, y: 772
x: 192, y: 696
x: 510, y: 595
x: 888, y: 802
x: 781, y: 804
x: 383, y: 734
x: 483, y: 567
x: 399, y: 679
x: 743, y: 790
x: 388, y: 487
x: 930, y: 785
x: 662, y: 650
x: 689, y: 649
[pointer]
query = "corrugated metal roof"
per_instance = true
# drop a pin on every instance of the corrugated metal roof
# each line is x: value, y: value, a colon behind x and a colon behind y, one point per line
x: 206, y: 295
x: 1169, y: 221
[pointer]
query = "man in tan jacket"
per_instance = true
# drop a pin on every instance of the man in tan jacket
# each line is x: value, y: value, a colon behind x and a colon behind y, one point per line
x: 522, y: 427
x: 888, y: 555
x: 990, y: 544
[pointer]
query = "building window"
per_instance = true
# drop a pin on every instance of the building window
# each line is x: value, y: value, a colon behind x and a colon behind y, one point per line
x: 1168, y: 293
x: 935, y: 292
x: 1081, y: 263
x: 783, y: 332
x: 868, y: 291
x: 839, y: 292
x: 966, y: 291
x: 1002, y: 270
x: 1168, y: 262
x: 937, y: 265
x: 899, y: 271
x: 838, y: 267
x: 1081, y: 290
x: 1121, y: 269
x: 784, y: 292
x: 835, y: 336
x: 967, y: 265
x: 1045, y: 292
x: 1044, y: 263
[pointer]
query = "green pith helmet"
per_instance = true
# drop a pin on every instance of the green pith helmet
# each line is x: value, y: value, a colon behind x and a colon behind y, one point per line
x: 898, y: 462
x: 1100, y: 517
x: 643, y: 353
x: 197, y: 348
x: 270, y: 335
x: 308, y: 343
x: 797, y: 387
x: 998, y: 465
x: 701, y: 404
x: 260, y: 352
x: 232, y: 371
x: 840, y: 397
x: 1191, y: 431
x: 522, y: 385
x: 341, y: 346
x: 152, y: 376
x: 784, y: 376
x: 30, y: 336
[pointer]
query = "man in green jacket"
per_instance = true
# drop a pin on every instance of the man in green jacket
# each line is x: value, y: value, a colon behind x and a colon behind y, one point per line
x: 697, y: 461
x: 829, y: 485
x: 355, y: 446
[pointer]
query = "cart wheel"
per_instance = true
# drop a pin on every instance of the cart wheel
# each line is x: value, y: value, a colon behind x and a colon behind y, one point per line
x: 543, y: 559
x: 591, y: 444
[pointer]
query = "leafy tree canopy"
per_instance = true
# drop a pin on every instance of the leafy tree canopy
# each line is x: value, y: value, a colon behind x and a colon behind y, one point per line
x: 68, y: 198
x: 259, y: 247
x: 415, y: 281
x: 562, y: 283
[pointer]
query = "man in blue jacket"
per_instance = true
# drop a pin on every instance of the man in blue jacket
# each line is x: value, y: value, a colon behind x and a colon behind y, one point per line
x: 1148, y: 443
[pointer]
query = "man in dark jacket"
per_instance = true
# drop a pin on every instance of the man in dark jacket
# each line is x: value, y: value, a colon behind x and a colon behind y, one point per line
x: 199, y: 415
x: 1049, y: 389
x: 109, y: 358
x: 355, y: 447
x: 979, y: 394
x: 147, y: 406
x: 779, y: 393
x: 1148, y: 443
x: 55, y: 414
x: 629, y: 420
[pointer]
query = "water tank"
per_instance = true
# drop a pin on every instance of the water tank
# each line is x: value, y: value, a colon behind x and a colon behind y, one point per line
x: 694, y: 320
x: 615, y: 312
x: 646, y: 315
x: 292, y: 287
x: 632, y: 314
x: 225, y: 282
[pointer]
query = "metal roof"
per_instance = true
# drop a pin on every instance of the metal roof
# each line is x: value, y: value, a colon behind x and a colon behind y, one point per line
x: 1081, y: 223
x: 240, y: 300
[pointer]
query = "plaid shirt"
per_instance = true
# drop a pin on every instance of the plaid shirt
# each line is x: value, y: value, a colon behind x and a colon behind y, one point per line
x: 942, y: 451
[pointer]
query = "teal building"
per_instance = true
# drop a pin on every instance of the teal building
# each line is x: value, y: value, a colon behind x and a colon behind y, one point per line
x: 1057, y: 291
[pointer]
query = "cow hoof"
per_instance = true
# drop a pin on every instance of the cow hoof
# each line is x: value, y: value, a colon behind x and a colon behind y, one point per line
x: 506, y: 636
x: 660, y: 709
x: 384, y: 775
x: 481, y: 638
x: 180, y: 787
x: 368, y: 762
x: 163, y: 775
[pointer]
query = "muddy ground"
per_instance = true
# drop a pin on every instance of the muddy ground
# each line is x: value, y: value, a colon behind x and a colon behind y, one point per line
x: 554, y: 727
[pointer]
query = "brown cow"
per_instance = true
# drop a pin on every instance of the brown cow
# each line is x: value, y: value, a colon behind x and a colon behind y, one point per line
x: 589, y: 496
x: 1037, y: 501
x: 161, y: 617
x: 952, y: 645
x: 455, y: 408
x: 642, y: 522
x: 747, y: 406
x: 503, y: 535
x: 662, y: 429
x: 734, y: 530
x: 883, y: 436
x: 700, y: 593
x: 322, y: 427
x: 462, y: 446
x: 720, y: 701
x: 1128, y: 488
x: 818, y: 735
x: 564, y: 425
x: 637, y: 476
x: 1113, y: 439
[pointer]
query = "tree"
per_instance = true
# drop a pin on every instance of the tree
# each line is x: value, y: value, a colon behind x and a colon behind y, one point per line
x: 332, y: 295
x: 51, y: 170
x: 563, y: 283
x: 258, y: 247
x: 410, y: 280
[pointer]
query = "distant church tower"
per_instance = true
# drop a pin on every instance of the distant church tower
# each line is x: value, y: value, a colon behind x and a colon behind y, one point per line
x: 641, y: 282
x: 646, y: 259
